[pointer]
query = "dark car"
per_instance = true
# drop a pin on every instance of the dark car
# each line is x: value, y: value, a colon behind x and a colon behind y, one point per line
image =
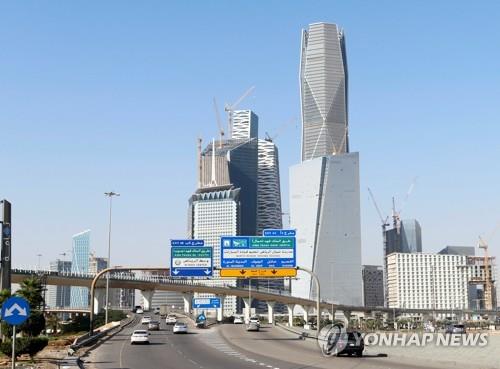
x: 348, y: 343
x: 455, y: 329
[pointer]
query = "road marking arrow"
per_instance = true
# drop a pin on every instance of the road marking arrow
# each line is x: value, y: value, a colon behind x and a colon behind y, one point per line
x: 10, y: 311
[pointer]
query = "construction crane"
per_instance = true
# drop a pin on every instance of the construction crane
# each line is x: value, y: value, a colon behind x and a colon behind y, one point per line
x: 488, y: 282
x: 396, y: 214
x: 383, y: 221
x: 279, y: 130
x: 219, y: 123
x: 229, y: 108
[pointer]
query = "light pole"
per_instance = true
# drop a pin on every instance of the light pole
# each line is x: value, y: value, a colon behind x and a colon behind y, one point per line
x: 63, y: 288
x: 39, y: 258
x: 110, y: 195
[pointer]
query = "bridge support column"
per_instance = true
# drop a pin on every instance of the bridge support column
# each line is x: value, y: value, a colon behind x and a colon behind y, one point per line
x: 290, y: 314
x: 248, y: 308
x: 147, y: 298
x: 306, y: 313
x: 220, y: 311
x: 188, y: 298
x: 270, y: 312
x: 99, y: 296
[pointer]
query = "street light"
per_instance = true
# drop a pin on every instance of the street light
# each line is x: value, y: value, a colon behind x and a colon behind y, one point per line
x: 110, y: 195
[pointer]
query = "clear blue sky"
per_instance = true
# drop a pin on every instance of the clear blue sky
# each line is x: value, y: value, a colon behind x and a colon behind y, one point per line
x: 101, y: 95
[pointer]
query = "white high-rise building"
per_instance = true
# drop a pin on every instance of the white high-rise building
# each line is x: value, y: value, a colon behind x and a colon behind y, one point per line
x: 268, y: 187
x: 215, y: 212
x: 245, y: 125
x: 427, y: 281
x: 324, y: 187
x: 325, y: 211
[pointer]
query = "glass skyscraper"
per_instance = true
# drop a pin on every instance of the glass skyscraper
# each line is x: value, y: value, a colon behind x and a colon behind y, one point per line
x: 80, y: 264
x: 324, y: 187
x: 323, y: 85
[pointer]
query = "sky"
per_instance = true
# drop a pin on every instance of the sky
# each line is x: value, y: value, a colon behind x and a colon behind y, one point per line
x: 98, y: 96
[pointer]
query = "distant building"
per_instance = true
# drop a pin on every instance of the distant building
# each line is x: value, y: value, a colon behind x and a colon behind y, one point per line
x: 97, y: 264
x: 59, y: 296
x: 216, y: 212
x: 373, y: 285
x: 405, y: 238
x: 427, y: 281
x: 458, y: 250
x: 80, y: 264
x: 245, y: 125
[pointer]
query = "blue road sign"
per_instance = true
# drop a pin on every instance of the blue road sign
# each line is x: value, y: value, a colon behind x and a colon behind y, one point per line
x: 258, y: 252
x: 189, y: 261
x: 279, y: 233
x: 187, y: 243
x: 15, y: 310
x: 206, y: 303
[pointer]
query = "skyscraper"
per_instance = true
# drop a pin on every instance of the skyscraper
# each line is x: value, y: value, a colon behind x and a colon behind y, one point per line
x: 245, y: 125
x: 324, y: 187
x: 80, y: 264
x: 268, y: 187
x: 214, y: 212
x: 373, y: 285
x: 323, y: 82
x: 59, y: 296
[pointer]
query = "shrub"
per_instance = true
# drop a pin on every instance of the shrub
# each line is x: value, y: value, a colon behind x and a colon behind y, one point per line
x: 24, y: 345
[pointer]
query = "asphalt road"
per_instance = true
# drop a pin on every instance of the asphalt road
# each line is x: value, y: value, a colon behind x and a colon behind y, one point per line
x: 232, y: 347
x: 182, y: 351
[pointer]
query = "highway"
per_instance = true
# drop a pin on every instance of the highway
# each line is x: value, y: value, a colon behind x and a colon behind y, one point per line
x: 229, y: 346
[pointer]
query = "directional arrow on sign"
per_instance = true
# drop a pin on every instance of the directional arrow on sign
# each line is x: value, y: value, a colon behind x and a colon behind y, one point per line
x: 207, y: 271
x: 175, y: 271
x: 10, y: 311
x: 274, y: 271
x: 242, y: 271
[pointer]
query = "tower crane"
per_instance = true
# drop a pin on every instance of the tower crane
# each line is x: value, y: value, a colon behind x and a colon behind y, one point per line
x: 488, y: 282
x: 229, y: 108
x: 219, y: 123
x: 279, y: 130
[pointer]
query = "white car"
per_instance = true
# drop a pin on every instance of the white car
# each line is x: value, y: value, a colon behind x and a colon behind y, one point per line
x: 146, y: 320
x: 139, y: 336
x: 238, y: 320
x: 171, y: 319
x: 180, y: 327
x: 254, y: 320
x: 139, y: 311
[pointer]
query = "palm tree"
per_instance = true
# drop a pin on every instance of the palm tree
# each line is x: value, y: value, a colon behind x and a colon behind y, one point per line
x: 32, y: 290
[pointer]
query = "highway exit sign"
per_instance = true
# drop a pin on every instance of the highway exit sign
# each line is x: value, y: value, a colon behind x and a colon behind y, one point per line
x: 258, y: 273
x: 188, y: 261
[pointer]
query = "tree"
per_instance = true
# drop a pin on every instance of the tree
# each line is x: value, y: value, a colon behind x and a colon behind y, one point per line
x: 32, y: 290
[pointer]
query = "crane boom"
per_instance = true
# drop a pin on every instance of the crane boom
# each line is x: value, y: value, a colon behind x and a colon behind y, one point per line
x: 384, y: 222
x: 219, y: 123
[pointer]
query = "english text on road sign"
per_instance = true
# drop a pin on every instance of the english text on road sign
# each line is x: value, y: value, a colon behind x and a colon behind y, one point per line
x: 187, y: 243
x: 206, y: 303
x: 188, y: 261
x: 279, y: 233
x: 258, y: 252
x: 15, y: 310
x: 258, y: 273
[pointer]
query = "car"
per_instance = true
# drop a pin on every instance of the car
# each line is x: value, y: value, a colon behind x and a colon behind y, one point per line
x: 145, y: 320
x: 180, y: 327
x: 238, y: 320
x: 253, y: 327
x: 171, y: 319
x: 154, y: 325
x: 255, y: 320
x: 139, y: 311
x: 157, y: 310
x: 455, y: 329
x: 346, y: 343
x: 139, y: 336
